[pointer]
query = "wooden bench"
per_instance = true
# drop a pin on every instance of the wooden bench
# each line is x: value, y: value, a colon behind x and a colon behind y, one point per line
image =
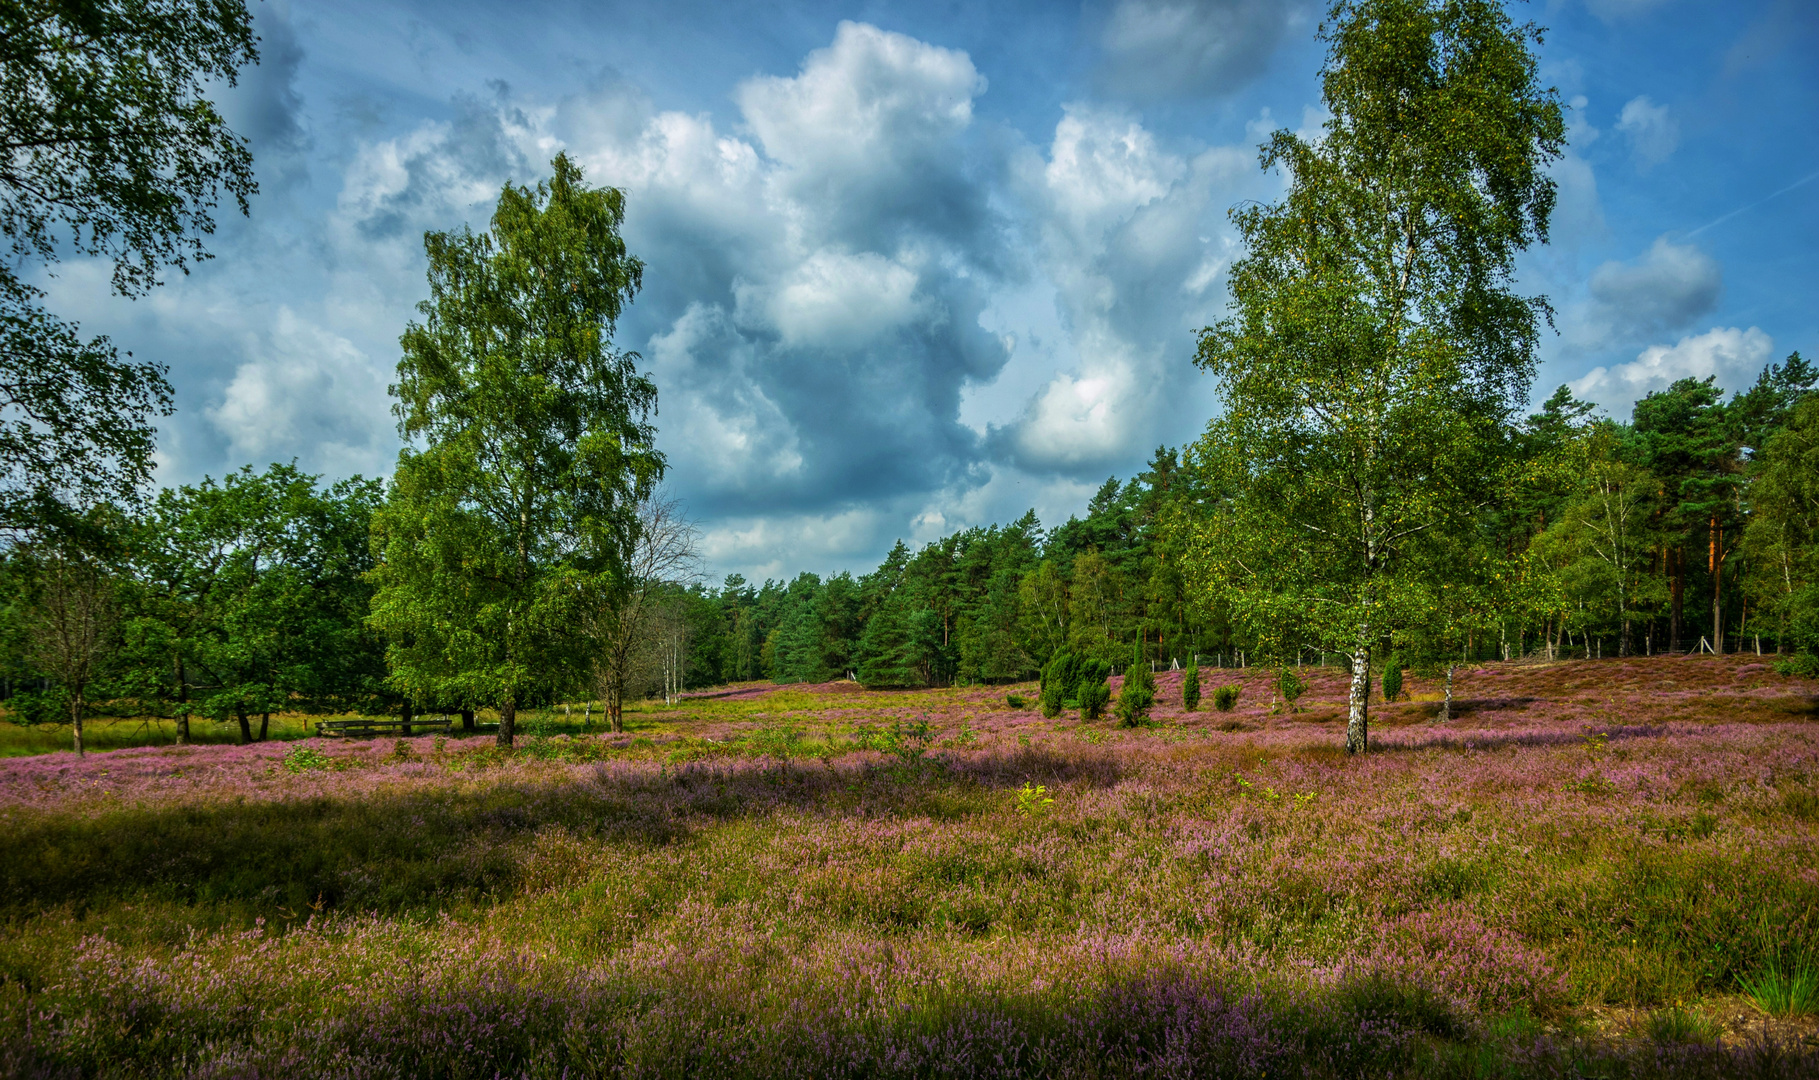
x: 366, y: 726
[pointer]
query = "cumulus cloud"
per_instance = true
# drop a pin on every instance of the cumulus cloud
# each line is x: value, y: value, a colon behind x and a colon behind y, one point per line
x: 304, y: 392
x: 1134, y: 245
x: 1156, y: 49
x: 1652, y: 131
x: 812, y: 306
x: 1734, y: 356
x: 835, y: 275
x: 1669, y: 288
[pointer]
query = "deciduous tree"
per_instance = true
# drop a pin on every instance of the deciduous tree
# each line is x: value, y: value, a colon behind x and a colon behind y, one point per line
x: 514, y: 508
x: 1377, y: 350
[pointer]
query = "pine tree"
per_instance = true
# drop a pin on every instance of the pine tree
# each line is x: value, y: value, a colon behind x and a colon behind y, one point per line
x: 1190, y: 687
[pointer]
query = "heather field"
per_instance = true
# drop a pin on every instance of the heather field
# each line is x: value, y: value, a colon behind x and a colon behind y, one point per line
x: 1596, y: 868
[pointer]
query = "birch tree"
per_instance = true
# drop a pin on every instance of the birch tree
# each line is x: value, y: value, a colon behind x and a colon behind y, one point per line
x: 1377, y: 350
x: 627, y: 628
x: 514, y: 505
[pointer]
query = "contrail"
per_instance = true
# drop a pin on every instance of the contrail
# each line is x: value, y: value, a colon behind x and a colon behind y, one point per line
x: 1803, y: 180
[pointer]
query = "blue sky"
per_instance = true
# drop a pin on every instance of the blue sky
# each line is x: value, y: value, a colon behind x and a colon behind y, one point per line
x: 912, y: 267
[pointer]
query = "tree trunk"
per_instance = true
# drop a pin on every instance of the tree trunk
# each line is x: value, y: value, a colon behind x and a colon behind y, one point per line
x: 1446, y: 705
x: 1717, y: 567
x: 467, y: 719
x: 265, y: 725
x: 508, y: 717
x: 405, y: 730
x: 1357, y: 724
x: 75, y: 720
x: 246, y: 728
x: 1678, y: 557
x: 182, y: 704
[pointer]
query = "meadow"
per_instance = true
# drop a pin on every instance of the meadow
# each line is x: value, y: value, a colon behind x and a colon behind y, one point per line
x: 1595, y: 868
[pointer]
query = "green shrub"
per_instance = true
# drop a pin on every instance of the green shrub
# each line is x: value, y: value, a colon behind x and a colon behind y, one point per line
x: 1091, y: 691
x: 1138, y: 693
x: 1392, y: 677
x: 304, y: 758
x: 1190, y: 687
x: 1056, y: 687
x: 1226, y: 697
x: 1290, y: 686
x: 1015, y: 701
x: 1677, y: 1025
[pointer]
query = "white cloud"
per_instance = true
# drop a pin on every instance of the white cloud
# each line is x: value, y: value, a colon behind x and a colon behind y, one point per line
x: 306, y: 393
x: 1734, y: 356
x: 1135, y: 244
x: 1102, y: 166
x: 1652, y: 131
x: 864, y: 127
x: 832, y: 300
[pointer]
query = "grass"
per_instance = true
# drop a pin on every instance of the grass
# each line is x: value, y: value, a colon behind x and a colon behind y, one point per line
x: 818, y: 880
x: 1783, y: 991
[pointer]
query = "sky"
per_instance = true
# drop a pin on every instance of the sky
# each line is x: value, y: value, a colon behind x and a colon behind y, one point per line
x: 913, y: 267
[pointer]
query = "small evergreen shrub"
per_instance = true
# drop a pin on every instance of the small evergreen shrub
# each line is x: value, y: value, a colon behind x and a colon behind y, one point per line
x: 1055, y: 685
x: 1392, y: 677
x: 1138, y: 693
x: 1091, y: 691
x: 1226, y: 697
x: 1190, y: 688
x: 1290, y: 686
x: 1015, y: 701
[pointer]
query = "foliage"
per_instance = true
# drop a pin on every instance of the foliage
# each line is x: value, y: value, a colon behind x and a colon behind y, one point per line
x: 1091, y: 689
x: 1290, y: 685
x: 302, y: 758
x: 1190, y: 687
x: 1033, y: 801
x: 1783, y: 990
x: 113, y: 150
x: 247, y: 596
x: 1392, y: 677
x: 1137, y: 694
x: 1226, y: 697
x: 1376, y: 349
x: 627, y: 904
x: 518, y: 514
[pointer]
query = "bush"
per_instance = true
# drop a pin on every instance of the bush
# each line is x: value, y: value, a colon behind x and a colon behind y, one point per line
x: 1226, y: 697
x: 1015, y: 701
x: 1392, y: 677
x: 1190, y: 688
x: 303, y: 758
x: 1290, y: 686
x: 1091, y: 691
x: 1056, y: 684
x: 1138, y: 693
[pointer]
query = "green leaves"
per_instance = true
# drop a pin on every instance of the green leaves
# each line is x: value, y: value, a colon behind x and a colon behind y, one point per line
x: 113, y: 149
x: 515, y: 510
x: 1376, y: 352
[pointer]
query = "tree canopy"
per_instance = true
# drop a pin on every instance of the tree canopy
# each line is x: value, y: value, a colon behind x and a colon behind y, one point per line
x: 514, y: 508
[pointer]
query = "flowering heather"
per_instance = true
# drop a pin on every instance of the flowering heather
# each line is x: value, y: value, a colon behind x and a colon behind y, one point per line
x: 817, y: 880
